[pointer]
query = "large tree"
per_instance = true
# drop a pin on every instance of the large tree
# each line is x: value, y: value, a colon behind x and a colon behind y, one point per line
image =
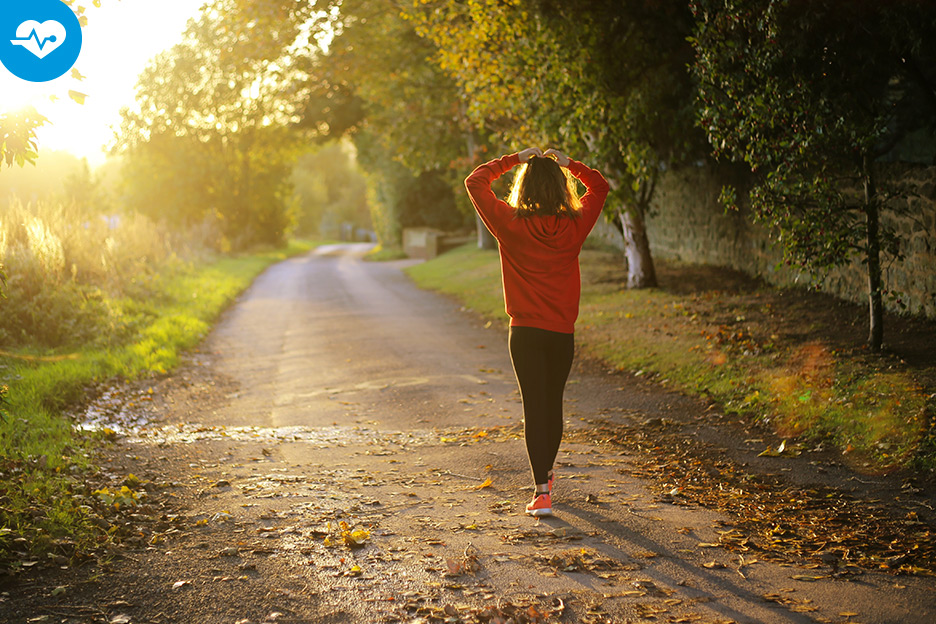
x: 213, y: 134
x: 604, y: 79
x: 811, y: 95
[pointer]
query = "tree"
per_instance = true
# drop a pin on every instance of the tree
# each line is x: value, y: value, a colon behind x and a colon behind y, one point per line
x: 18, y: 143
x: 331, y: 189
x: 411, y: 129
x: 811, y: 95
x: 215, y: 124
x: 604, y: 78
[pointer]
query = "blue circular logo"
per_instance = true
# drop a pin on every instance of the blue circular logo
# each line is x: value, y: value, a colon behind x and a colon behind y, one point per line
x: 39, y: 40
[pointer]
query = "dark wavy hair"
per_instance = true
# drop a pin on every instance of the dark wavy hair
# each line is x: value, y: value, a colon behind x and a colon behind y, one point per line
x: 542, y: 187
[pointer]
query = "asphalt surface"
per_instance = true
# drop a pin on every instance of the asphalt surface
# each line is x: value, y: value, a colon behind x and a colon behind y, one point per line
x: 336, y: 391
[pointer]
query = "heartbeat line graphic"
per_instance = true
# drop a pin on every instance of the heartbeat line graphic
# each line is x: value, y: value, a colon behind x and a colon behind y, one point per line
x: 42, y: 38
x: 34, y: 36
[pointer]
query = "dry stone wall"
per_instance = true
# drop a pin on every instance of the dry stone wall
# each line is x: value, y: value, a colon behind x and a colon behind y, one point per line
x: 689, y: 224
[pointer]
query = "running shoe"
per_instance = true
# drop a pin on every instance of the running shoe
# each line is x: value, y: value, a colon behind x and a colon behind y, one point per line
x: 541, y: 505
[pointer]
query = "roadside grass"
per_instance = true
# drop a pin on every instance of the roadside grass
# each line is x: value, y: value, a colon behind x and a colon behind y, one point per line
x: 42, y: 454
x: 794, y: 360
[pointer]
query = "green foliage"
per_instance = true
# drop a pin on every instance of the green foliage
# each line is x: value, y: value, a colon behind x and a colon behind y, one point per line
x: 18, y: 136
x: 605, y: 80
x: 410, y: 129
x: 331, y: 190
x: 210, y: 138
x: 810, y: 97
x: 613, y: 85
x: 428, y: 200
x: 409, y: 105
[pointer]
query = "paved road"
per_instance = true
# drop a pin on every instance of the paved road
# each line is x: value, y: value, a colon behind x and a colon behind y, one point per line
x: 328, y: 338
x: 335, y: 391
x: 331, y: 341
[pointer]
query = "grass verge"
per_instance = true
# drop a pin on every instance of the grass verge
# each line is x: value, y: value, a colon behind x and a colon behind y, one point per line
x: 42, y: 455
x: 792, y: 359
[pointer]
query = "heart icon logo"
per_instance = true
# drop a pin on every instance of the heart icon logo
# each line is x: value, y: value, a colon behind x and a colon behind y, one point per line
x: 40, y: 39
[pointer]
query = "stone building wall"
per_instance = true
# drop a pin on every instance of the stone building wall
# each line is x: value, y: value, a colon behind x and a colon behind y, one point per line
x: 689, y: 224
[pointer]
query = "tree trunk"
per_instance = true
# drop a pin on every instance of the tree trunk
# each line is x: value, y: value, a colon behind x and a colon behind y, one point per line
x: 875, y: 300
x: 486, y: 240
x: 640, y: 270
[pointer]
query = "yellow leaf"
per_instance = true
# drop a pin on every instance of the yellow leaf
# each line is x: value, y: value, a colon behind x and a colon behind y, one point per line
x: 77, y: 96
x: 487, y: 483
x: 806, y: 577
x: 357, y: 537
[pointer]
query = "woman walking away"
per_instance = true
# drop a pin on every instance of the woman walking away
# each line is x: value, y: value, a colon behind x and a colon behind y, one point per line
x: 540, y: 232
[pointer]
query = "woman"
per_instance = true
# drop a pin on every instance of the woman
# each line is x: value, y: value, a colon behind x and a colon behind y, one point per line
x: 540, y: 232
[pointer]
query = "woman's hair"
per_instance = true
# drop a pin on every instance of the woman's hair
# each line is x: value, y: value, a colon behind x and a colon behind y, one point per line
x: 542, y: 187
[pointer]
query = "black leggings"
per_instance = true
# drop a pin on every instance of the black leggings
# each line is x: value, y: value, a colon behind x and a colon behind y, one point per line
x: 541, y: 360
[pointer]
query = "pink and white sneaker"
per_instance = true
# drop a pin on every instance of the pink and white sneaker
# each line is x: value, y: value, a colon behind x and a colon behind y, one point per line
x: 541, y: 505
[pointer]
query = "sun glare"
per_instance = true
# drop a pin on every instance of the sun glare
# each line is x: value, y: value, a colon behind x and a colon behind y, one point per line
x: 16, y: 94
x: 118, y: 41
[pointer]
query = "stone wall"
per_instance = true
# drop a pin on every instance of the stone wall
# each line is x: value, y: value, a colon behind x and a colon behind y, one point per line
x: 689, y: 224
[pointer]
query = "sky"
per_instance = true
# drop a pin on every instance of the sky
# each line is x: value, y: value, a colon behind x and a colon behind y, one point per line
x: 121, y: 36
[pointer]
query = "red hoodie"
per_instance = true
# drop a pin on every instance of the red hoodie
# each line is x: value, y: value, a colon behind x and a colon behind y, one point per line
x: 539, y: 254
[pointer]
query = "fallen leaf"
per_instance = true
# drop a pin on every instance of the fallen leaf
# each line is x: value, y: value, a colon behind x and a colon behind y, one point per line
x: 806, y: 577
x: 487, y: 483
x: 77, y: 96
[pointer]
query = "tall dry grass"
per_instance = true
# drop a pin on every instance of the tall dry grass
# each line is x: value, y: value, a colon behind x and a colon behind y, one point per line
x: 66, y: 267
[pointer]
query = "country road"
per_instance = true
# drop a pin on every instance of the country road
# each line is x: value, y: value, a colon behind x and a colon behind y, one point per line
x: 345, y: 447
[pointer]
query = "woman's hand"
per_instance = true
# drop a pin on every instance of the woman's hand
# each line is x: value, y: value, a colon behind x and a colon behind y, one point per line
x: 529, y: 153
x: 561, y: 158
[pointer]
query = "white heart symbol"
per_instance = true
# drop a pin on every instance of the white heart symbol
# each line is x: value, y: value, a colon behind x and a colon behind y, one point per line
x: 40, y: 39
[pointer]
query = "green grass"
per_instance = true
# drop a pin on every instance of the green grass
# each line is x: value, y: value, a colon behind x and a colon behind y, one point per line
x: 469, y: 274
x: 41, y: 454
x: 711, y: 344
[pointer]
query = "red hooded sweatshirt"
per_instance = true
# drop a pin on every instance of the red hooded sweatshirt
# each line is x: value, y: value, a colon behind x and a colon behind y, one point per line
x: 539, y: 254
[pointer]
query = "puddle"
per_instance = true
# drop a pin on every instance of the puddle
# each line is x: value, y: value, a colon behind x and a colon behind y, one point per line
x: 323, y: 437
x: 118, y: 409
